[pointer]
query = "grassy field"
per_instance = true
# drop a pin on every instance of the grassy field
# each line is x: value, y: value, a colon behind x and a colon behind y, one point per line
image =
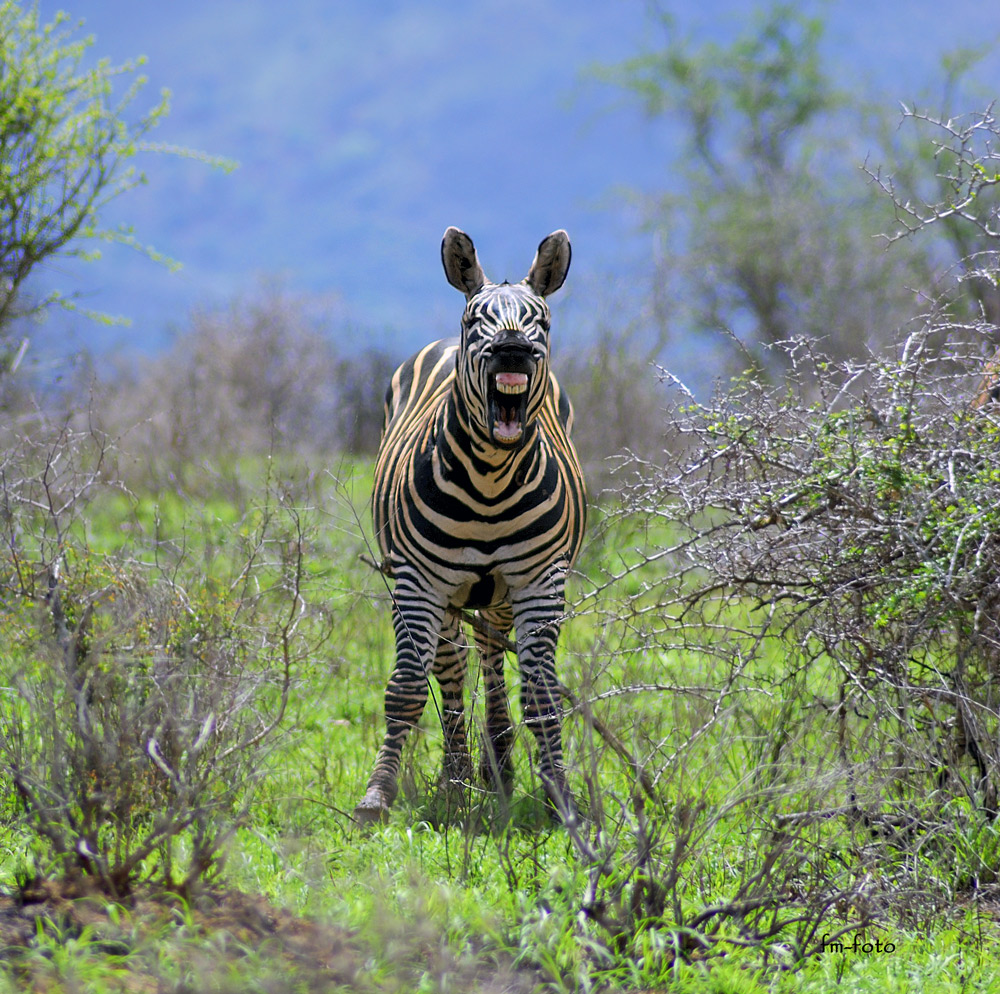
x: 737, y: 861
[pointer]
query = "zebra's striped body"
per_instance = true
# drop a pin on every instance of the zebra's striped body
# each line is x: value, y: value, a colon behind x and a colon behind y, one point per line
x: 988, y: 393
x: 479, y: 502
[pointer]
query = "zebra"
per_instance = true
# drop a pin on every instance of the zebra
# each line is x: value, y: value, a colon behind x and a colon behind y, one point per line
x: 988, y: 392
x: 479, y: 503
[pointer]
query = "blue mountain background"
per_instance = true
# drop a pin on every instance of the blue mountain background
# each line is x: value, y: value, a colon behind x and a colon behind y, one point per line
x: 363, y: 129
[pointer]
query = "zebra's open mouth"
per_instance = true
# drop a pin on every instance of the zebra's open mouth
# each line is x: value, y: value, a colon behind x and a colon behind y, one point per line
x: 508, y: 406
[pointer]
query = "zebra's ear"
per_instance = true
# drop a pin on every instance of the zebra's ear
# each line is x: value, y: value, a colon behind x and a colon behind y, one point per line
x: 548, y: 271
x: 461, y: 264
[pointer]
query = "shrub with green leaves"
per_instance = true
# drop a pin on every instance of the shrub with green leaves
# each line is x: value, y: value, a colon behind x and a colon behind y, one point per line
x: 848, y: 524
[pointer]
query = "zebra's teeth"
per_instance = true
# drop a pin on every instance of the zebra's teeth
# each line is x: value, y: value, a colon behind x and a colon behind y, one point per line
x: 511, y: 382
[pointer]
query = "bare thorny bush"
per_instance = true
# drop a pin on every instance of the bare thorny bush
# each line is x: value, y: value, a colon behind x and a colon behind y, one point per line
x: 829, y: 585
x: 814, y: 576
x: 141, y: 685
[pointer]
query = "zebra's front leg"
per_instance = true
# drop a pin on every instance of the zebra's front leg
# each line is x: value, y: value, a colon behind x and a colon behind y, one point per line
x: 496, y: 766
x: 538, y: 616
x: 450, y: 664
x: 417, y: 623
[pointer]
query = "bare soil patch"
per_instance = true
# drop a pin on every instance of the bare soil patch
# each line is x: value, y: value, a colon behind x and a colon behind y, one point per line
x: 219, y: 927
x: 161, y: 944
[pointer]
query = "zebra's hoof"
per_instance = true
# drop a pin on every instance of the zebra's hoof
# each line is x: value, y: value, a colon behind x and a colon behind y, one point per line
x: 371, y: 809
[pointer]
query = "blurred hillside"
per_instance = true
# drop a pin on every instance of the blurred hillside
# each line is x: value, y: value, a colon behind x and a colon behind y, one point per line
x: 363, y: 130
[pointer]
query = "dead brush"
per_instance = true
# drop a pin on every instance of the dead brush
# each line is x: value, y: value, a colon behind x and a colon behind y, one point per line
x: 144, y: 686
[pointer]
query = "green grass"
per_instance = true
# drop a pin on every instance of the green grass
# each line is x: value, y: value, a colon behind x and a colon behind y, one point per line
x: 443, y: 898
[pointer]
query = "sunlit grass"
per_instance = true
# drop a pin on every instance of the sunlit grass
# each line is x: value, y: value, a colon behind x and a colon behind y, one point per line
x: 454, y: 888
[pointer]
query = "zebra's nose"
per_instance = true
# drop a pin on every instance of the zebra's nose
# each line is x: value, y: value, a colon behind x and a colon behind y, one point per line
x: 512, y: 345
x: 511, y: 338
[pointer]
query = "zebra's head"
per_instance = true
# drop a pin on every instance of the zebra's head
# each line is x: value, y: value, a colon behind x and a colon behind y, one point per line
x: 503, y: 362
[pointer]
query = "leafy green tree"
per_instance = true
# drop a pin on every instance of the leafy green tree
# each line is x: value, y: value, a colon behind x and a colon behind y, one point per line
x: 771, y: 234
x: 68, y: 139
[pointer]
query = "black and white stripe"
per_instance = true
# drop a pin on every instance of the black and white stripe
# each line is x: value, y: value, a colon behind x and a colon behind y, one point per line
x: 479, y: 502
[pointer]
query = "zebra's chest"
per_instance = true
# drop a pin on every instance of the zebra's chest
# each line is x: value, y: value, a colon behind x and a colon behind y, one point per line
x: 473, y: 536
x: 484, y: 518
